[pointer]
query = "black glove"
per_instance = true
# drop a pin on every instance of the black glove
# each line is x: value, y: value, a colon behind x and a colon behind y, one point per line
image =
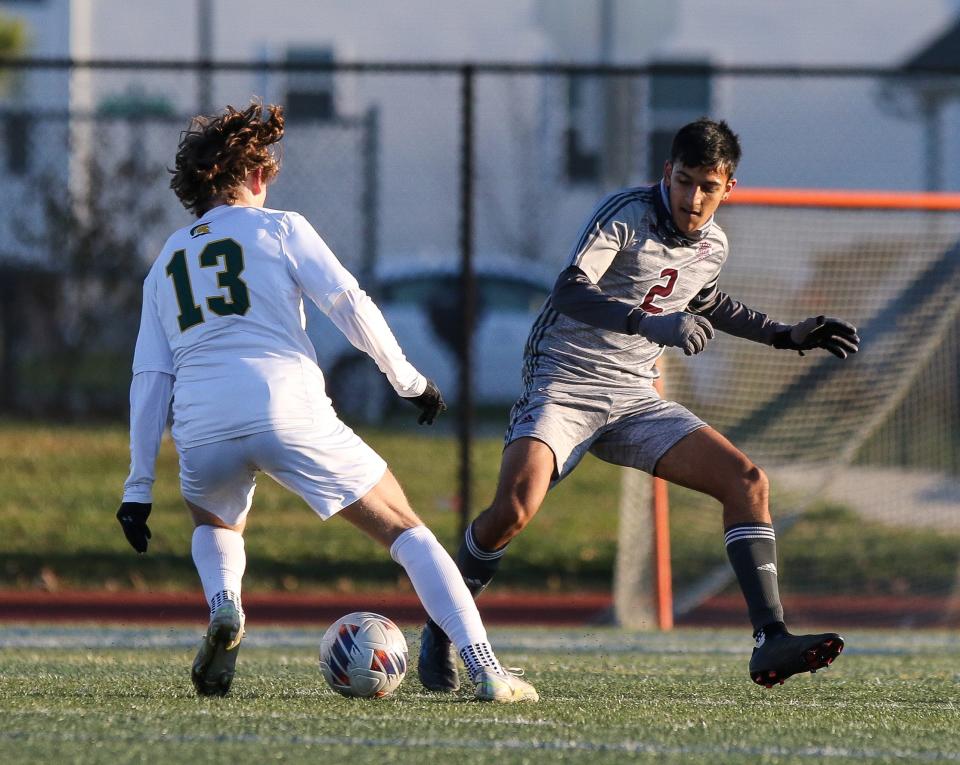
x: 677, y: 330
x: 133, y: 518
x: 834, y: 335
x: 430, y: 403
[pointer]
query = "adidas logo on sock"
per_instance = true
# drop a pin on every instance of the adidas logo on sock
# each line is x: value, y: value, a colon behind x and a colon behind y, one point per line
x: 476, y: 586
x: 771, y: 567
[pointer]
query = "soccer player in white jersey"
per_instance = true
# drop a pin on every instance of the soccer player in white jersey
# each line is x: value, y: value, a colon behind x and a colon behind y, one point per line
x: 643, y: 275
x: 222, y: 339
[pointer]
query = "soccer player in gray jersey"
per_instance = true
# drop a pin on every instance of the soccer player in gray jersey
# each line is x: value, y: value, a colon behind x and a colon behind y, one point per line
x: 642, y: 276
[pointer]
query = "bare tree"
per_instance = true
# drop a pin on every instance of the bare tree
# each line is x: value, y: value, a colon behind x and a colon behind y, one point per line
x: 84, y: 295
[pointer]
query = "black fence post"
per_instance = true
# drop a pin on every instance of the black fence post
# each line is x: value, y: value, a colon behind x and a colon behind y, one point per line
x: 468, y: 293
x: 204, y: 57
x: 370, y: 197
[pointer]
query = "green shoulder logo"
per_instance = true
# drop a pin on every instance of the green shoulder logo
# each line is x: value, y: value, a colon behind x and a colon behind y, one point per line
x: 199, y: 230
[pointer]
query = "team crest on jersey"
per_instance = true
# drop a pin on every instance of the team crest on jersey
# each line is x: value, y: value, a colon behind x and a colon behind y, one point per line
x: 199, y: 230
x: 704, y: 249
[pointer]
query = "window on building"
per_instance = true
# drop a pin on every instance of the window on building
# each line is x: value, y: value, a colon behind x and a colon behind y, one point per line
x: 583, y: 137
x: 680, y: 92
x: 16, y: 142
x: 311, y: 94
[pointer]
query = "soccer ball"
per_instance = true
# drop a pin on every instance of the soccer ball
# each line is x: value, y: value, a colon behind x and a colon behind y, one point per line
x: 363, y: 654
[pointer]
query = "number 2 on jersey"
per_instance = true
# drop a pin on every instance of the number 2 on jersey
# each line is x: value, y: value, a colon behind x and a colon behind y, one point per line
x: 659, y: 290
x: 228, y: 278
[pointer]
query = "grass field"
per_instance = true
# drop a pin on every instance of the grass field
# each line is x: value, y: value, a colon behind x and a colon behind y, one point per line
x: 60, y: 486
x: 116, y: 695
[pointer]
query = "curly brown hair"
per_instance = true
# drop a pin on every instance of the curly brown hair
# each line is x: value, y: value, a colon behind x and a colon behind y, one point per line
x: 216, y: 154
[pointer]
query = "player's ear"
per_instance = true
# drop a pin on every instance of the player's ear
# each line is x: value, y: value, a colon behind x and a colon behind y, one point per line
x: 731, y: 182
x: 667, y: 171
x: 255, y: 180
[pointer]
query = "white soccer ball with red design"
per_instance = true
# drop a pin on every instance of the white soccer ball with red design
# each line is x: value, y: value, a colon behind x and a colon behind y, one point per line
x: 364, y: 655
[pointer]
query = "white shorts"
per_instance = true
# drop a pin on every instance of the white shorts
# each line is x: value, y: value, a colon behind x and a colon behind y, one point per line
x: 330, y: 467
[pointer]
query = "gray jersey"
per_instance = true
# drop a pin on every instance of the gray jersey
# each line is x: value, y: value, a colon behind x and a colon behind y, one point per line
x: 632, y: 251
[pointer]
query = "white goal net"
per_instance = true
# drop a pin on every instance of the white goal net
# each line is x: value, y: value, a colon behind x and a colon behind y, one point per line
x: 870, y: 446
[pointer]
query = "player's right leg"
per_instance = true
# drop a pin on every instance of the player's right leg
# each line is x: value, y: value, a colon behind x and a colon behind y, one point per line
x: 384, y: 514
x: 526, y: 469
x: 331, y: 468
x: 551, y: 427
x: 217, y: 484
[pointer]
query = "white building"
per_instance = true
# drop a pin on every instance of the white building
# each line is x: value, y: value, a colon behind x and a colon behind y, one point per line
x: 547, y: 147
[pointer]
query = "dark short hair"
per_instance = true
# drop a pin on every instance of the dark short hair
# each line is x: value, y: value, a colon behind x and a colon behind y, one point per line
x: 706, y: 143
x: 216, y: 154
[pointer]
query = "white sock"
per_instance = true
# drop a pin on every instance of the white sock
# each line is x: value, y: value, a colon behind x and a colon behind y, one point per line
x: 221, y: 559
x: 479, y: 656
x: 439, y: 585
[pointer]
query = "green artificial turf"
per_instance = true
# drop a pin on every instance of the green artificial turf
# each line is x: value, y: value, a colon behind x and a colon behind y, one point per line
x: 607, y: 697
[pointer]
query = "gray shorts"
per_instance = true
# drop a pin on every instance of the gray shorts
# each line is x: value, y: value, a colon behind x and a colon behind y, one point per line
x: 633, y: 430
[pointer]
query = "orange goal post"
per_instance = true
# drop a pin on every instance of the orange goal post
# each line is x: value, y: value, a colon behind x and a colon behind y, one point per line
x: 876, y: 437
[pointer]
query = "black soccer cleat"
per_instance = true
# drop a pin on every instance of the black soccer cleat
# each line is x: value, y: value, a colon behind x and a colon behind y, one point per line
x: 437, y: 665
x: 216, y: 662
x: 778, y: 657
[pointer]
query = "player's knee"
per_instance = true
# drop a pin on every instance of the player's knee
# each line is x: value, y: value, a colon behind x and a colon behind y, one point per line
x: 513, y: 513
x: 755, y: 487
x: 747, y: 487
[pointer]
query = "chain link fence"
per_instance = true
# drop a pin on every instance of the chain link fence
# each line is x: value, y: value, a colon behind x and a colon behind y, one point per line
x: 435, y: 184
x: 374, y: 157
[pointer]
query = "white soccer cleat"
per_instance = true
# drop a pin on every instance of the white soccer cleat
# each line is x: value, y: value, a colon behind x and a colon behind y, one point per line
x: 216, y: 660
x: 506, y: 687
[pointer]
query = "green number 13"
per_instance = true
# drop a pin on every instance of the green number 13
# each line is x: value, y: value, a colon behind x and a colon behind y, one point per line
x: 238, y: 300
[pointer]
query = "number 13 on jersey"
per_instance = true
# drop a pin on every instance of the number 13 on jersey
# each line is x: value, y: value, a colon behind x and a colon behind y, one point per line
x: 237, y: 301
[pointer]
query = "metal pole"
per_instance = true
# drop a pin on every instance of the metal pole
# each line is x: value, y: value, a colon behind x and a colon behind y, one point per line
x: 468, y: 293
x: 370, y: 198
x: 660, y: 512
x: 205, y: 56
x: 933, y: 139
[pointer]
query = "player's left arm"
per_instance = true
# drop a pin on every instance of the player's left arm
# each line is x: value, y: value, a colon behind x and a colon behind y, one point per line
x: 733, y: 317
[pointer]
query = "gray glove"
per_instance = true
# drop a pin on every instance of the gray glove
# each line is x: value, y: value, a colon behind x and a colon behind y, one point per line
x: 677, y: 330
x: 834, y: 335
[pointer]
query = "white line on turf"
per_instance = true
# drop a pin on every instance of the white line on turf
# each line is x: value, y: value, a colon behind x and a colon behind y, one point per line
x: 572, y: 641
x: 625, y: 747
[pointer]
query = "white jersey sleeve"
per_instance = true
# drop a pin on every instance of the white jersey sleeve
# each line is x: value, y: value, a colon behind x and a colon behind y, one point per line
x: 324, y: 280
x: 312, y: 263
x: 152, y: 352
x: 151, y: 394
x: 358, y: 317
x: 151, y: 391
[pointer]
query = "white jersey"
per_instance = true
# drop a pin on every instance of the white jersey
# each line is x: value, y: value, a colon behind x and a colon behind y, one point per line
x: 223, y: 314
